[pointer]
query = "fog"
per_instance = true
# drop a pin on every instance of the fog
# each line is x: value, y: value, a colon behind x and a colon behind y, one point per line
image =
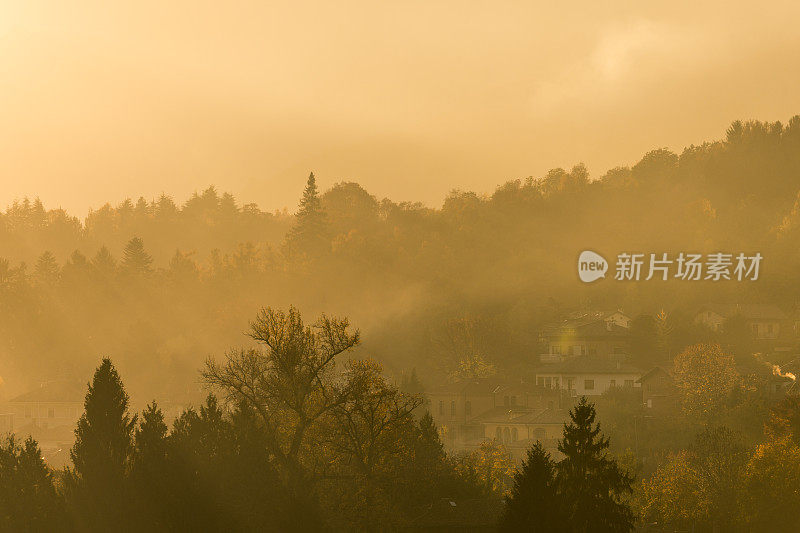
x: 294, y: 266
x: 106, y: 102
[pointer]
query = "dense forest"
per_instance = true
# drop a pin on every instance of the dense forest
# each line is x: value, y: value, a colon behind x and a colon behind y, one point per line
x: 199, y: 305
x: 163, y: 285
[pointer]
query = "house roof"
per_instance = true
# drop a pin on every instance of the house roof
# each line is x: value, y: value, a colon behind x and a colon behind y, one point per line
x: 748, y: 311
x: 659, y: 369
x: 54, y: 391
x: 521, y: 415
x: 586, y: 365
x: 482, y: 386
x: 587, y: 327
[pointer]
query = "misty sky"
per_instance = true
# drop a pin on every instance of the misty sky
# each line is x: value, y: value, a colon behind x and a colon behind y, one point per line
x: 411, y: 99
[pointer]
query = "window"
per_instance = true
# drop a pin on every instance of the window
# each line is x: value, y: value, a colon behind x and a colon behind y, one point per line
x: 548, y: 382
x: 441, y: 407
x: 613, y: 382
x: 629, y: 383
x: 555, y: 383
x: 513, y: 400
x: 769, y: 329
x: 650, y: 403
x: 588, y: 384
x: 51, y: 412
x: 592, y: 351
x: 649, y: 387
x: 555, y: 349
x: 550, y: 404
x: 540, y: 433
x: 453, y: 408
x: 505, y: 401
x: 72, y: 412
x: 570, y: 383
x: 514, y: 435
x: 499, y: 433
x: 540, y: 382
x: 506, y: 435
x: 468, y: 407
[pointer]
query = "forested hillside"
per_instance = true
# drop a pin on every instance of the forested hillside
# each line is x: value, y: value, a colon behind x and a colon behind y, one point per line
x: 159, y: 285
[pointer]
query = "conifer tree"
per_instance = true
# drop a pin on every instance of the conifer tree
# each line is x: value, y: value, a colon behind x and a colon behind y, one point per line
x: 46, y: 270
x: 590, y: 483
x: 101, y: 451
x: 104, y: 263
x: 28, y: 499
x: 534, y: 504
x: 309, y: 234
x: 150, y: 470
x: 135, y: 260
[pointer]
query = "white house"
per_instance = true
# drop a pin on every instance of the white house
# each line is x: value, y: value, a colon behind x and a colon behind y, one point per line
x: 52, y: 404
x: 587, y: 376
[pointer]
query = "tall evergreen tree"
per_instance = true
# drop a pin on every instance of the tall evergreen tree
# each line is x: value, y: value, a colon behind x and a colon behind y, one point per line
x: 309, y: 234
x: 534, y: 504
x: 28, y: 499
x: 46, y: 270
x: 103, y: 441
x: 135, y: 259
x: 150, y: 470
x: 591, y: 484
x: 104, y: 263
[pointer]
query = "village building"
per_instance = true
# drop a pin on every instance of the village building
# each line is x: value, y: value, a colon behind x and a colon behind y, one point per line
x: 587, y: 376
x: 51, y: 405
x: 460, y: 409
x: 659, y: 392
x: 598, y: 335
x: 518, y: 429
x: 766, y: 322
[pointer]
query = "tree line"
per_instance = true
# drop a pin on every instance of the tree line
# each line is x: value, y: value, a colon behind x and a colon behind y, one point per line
x: 482, y: 274
x: 296, y: 444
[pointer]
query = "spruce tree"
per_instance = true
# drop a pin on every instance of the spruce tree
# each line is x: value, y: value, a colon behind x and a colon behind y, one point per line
x: 101, y: 451
x: 591, y: 484
x: 309, y: 234
x: 104, y: 263
x: 135, y: 260
x: 28, y: 499
x: 150, y: 470
x: 46, y: 270
x: 534, y: 504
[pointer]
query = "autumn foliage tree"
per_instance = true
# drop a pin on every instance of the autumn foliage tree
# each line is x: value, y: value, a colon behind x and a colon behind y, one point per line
x: 705, y: 376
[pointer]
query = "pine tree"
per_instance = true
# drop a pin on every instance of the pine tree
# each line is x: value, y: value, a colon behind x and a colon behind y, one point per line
x: 150, y: 470
x: 135, y: 260
x: 102, y: 447
x: 104, y: 263
x: 46, y: 270
x: 534, y: 504
x: 590, y: 483
x: 309, y: 234
x: 28, y: 499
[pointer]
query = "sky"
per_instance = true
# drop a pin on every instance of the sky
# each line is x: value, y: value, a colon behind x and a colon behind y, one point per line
x: 100, y: 101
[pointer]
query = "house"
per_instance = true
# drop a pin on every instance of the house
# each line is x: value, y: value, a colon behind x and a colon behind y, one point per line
x: 519, y: 428
x: 595, y: 335
x: 456, y: 406
x: 764, y: 321
x: 52, y: 404
x: 587, y: 376
x: 659, y: 392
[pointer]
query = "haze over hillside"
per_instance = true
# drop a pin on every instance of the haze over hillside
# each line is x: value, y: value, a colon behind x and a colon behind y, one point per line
x: 102, y: 102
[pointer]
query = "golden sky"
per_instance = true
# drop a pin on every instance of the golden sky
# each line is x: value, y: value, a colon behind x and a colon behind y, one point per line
x: 104, y: 100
